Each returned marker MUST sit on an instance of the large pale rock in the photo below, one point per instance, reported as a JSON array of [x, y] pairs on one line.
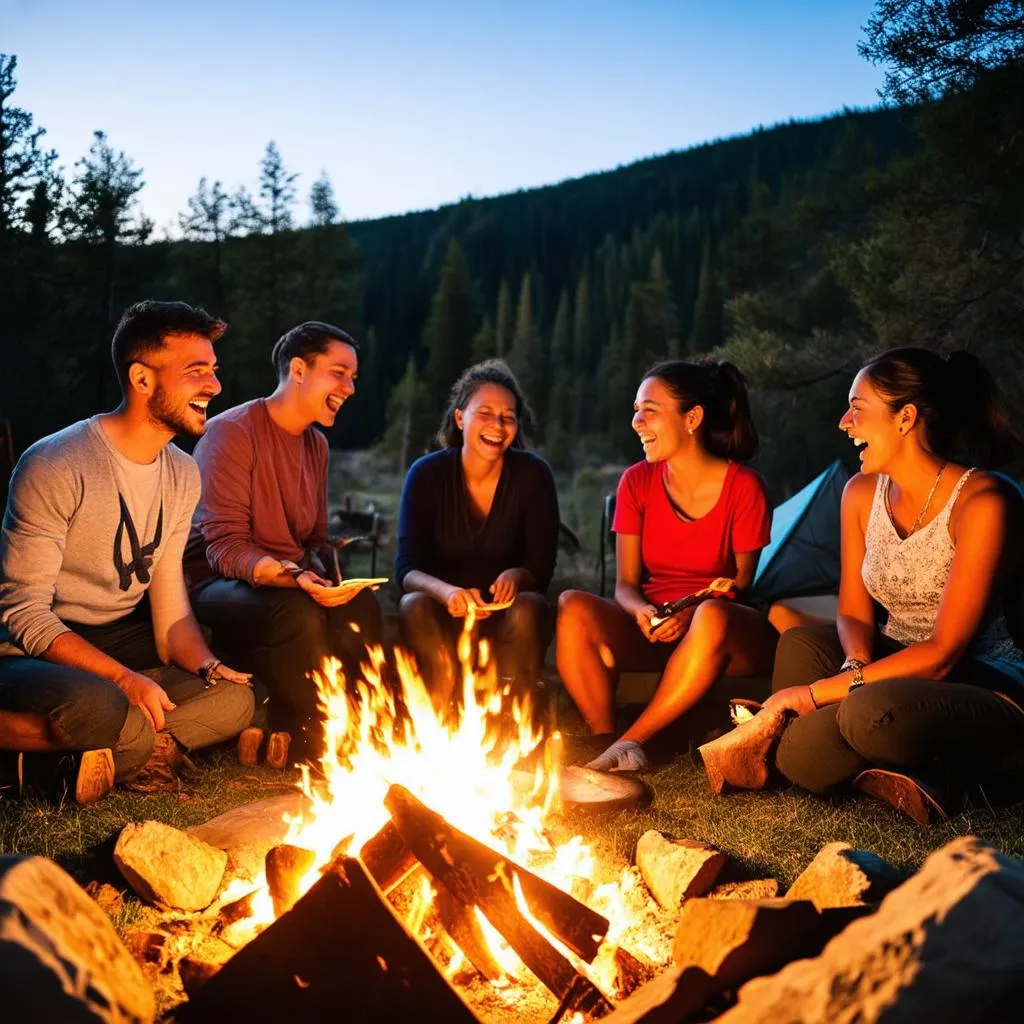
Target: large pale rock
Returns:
[[753, 937], [677, 869], [168, 867], [720, 944], [248, 832], [60, 958], [947, 945], [840, 876]]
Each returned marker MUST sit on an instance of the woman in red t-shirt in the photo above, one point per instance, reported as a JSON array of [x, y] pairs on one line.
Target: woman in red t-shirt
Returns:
[[688, 513]]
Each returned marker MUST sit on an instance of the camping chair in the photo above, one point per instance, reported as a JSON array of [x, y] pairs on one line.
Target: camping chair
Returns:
[[348, 527], [606, 542], [6, 459]]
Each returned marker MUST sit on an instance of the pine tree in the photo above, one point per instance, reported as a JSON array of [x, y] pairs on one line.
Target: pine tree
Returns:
[[504, 321], [409, 419], [322, 206], [525, 357], [485, 342], [451, 325], [585, 355], [20, 157], [209, 220], [707, 314]]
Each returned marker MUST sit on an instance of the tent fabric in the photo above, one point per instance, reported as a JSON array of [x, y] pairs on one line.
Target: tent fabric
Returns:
[[802, 557]]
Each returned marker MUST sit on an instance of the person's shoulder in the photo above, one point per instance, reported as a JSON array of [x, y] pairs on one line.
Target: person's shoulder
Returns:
[[640, 474], [984, 489], [861, 486], [432, 464], [239, 418], [529, 463], [749, 480], [58, 449]]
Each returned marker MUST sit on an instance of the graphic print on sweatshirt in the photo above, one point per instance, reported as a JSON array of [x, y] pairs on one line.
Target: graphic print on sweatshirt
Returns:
[[141, 554]]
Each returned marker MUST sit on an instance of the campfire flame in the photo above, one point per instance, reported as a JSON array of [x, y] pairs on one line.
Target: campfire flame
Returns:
[[463, 765]]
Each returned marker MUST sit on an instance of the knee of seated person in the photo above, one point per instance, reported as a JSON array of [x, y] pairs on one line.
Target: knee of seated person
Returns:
[[93, 719], [529, 612], [417, 609], [575, 609], [295, 615], [863, 715], [710, 623], [233, 710]]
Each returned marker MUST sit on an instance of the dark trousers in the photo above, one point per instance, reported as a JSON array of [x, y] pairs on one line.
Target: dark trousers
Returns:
[[87, 712], [958, 729], [519, 638], [281, 635]]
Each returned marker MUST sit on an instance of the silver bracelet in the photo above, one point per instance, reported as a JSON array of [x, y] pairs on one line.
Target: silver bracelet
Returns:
[[852, 663]]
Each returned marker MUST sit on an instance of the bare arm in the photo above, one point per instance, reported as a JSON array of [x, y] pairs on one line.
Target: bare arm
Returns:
[[746, 568], [628, 567], [979, 542], [855, 619]]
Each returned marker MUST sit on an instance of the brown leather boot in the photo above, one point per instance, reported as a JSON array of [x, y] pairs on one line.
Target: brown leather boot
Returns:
[[277, 749], [912, 796], [161, 771]]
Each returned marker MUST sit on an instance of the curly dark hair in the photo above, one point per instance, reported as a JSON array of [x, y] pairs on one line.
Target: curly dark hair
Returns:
[[491, 371]]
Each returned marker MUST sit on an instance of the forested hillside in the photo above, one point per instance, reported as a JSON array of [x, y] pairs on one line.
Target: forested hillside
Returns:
[[795, 250]]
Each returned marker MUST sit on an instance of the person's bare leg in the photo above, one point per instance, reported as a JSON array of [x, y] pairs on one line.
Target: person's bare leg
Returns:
[[723, 639], [589, 678]]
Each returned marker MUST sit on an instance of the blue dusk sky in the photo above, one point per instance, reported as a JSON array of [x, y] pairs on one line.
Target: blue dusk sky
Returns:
[[411, 105]]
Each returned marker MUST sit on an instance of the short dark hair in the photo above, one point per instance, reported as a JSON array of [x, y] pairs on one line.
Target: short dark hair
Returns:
[[145, 326], [306, 341], [490, 371]]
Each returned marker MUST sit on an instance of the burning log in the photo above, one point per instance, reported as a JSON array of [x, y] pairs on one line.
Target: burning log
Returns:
[[286, 867], [388, 858], [339, 950], [477, 876], [461, 924]]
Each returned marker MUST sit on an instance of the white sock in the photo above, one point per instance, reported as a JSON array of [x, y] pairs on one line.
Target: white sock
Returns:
[[623, 756]]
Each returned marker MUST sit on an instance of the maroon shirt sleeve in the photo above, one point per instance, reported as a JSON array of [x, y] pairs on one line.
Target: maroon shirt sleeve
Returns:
[[224, 516]]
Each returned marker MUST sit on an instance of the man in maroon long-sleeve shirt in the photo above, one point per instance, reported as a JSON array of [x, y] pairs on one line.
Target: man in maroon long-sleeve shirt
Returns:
[[263, 506]]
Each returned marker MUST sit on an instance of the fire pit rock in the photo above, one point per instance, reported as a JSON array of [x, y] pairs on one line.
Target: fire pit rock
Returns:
[[167, 867], [248, 832], [677, 869], [60, 958], [751, 889], [840, 876], [948, 944]]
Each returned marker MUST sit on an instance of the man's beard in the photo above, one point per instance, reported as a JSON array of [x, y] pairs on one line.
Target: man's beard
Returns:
[[175, 418]]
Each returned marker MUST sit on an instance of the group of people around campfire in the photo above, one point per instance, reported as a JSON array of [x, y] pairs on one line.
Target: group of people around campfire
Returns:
[[145, 593]]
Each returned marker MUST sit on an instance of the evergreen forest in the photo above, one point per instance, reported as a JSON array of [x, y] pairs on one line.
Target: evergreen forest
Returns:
[[796, 251]]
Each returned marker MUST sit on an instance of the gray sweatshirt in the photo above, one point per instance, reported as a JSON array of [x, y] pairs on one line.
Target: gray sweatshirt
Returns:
[[87, 532]]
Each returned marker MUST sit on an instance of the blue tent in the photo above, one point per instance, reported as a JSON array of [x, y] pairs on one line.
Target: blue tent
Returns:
[[802, 558]]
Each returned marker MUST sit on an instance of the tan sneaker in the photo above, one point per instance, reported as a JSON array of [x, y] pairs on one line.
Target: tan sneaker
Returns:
[[249, 742], [277, 749], [95, 777]]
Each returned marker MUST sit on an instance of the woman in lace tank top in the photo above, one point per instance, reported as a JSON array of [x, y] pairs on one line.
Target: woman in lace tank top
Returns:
[[934, 697]]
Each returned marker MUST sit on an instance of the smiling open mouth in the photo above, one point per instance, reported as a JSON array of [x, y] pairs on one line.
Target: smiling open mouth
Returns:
[[493, 440], [199, 405], [334, 402], [647, 440]]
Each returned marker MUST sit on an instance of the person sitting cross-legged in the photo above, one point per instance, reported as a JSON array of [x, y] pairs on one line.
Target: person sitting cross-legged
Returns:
[[99, 650], [258, 546], [478, 524], [936, 697]]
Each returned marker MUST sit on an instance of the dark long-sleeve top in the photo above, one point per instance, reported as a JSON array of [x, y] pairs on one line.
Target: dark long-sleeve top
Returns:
[[439, 534]]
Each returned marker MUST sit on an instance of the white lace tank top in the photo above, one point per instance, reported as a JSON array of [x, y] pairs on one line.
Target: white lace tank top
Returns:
[[906, 577]]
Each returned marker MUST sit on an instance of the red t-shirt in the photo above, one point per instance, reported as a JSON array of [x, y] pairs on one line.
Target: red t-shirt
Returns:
[[681, 558]]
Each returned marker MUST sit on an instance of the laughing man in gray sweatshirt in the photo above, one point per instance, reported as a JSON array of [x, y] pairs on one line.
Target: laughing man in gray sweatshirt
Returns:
[[98, 644]]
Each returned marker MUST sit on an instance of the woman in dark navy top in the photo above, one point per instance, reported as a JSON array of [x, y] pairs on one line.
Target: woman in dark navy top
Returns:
[[478, 525]]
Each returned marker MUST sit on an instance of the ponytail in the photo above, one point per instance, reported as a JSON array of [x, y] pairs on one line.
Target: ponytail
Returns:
[[963, 416], [720, 389]]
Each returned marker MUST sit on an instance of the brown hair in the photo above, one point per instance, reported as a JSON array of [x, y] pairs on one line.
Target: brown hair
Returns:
[[491, 371]]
